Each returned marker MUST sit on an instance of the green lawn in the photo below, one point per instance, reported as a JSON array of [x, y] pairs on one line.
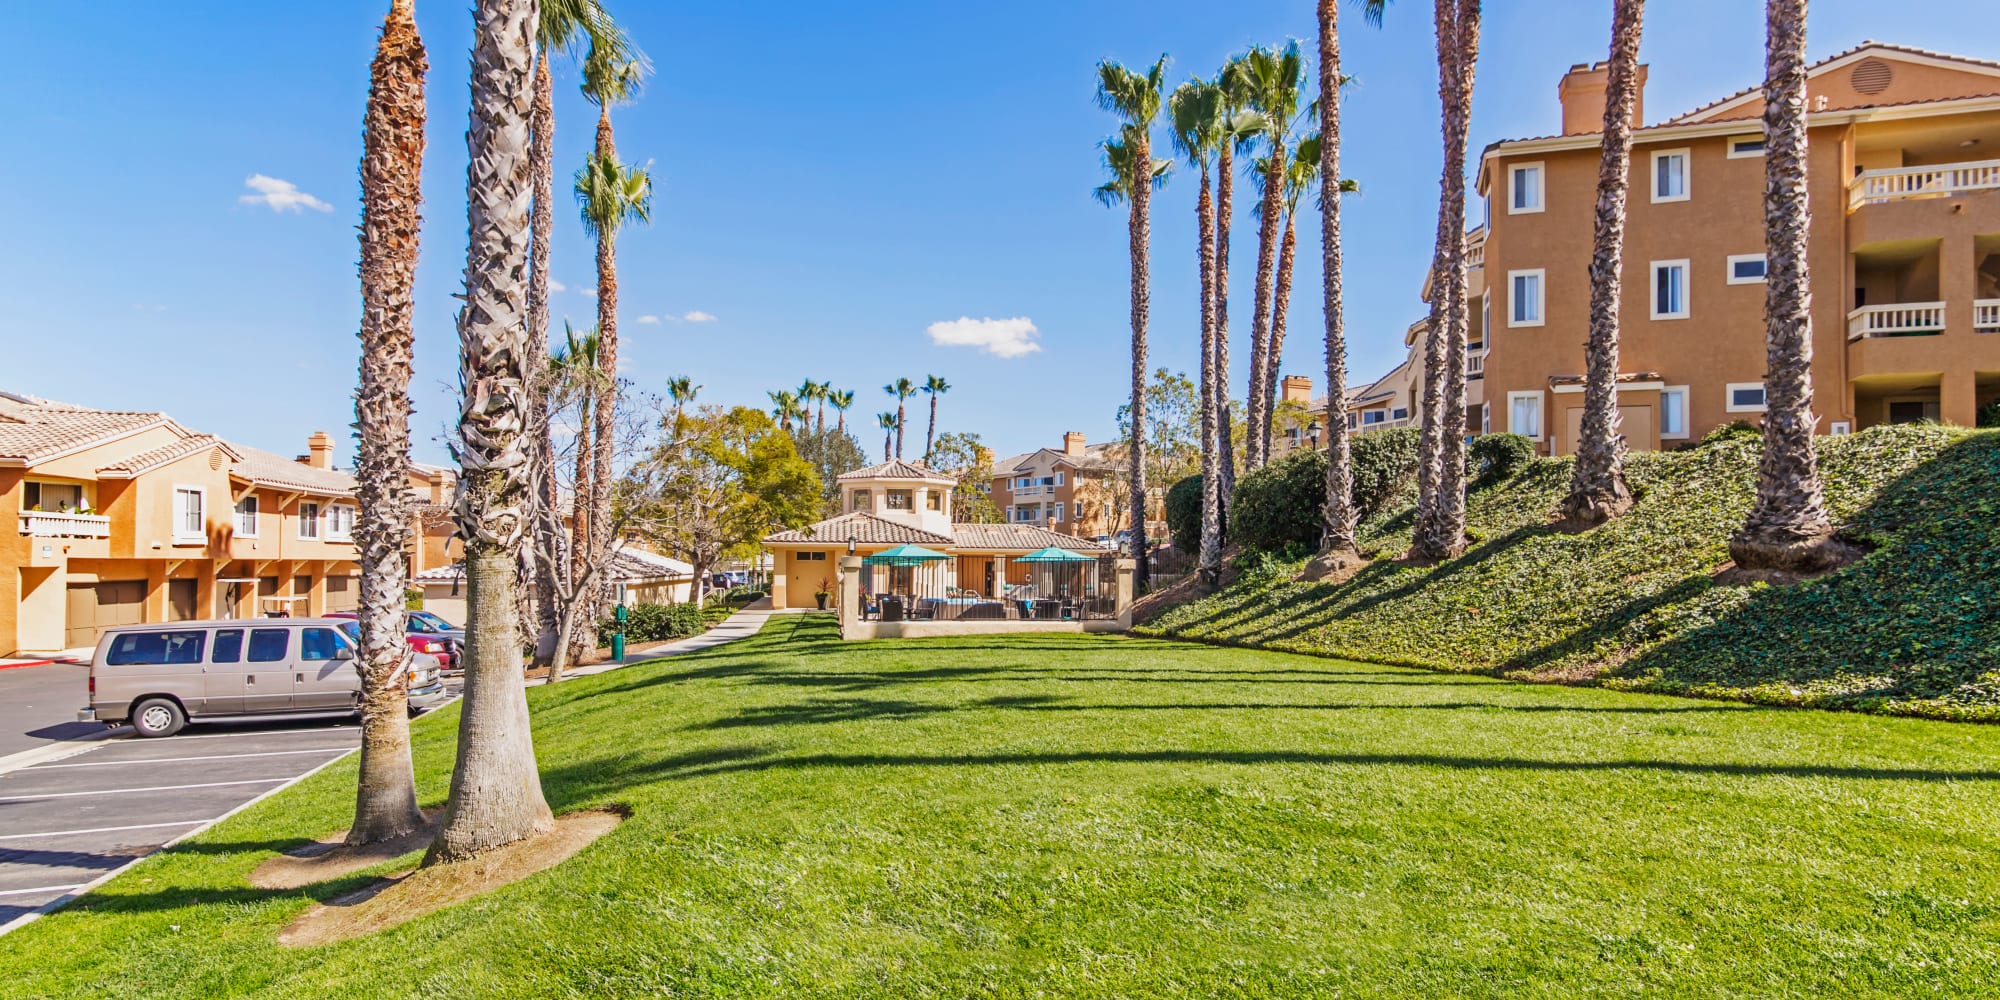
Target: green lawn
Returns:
[[1112, 817]]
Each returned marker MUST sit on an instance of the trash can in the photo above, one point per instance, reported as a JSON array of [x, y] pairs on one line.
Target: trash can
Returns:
[[618, 637]]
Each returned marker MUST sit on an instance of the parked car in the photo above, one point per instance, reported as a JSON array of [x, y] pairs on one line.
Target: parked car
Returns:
[[421, 630], [162, 676]]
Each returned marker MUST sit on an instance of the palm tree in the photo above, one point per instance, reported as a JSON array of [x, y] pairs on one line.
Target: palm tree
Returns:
[[385, 800], [496, 792], [1196, 111], [1135, 98], [815, 393], [1301, 176], [1440, 530], [841, 400], [576, 376], [889, 423], [902, 389], [1597, 489], [681, 389], [1241, 125], [935, 386], [1274, 80], [1788, 528], [786, 408]]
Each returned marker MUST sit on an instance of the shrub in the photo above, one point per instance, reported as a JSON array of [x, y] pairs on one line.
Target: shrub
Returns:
[[656, 623], [413, 599], [1495, 458], [1989, 415], [1184, 513], [1385, 467], [742, 595], [1280, 503], [1735, 430]]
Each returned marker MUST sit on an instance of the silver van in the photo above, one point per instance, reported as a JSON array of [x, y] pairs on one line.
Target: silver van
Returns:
[[163, 675]]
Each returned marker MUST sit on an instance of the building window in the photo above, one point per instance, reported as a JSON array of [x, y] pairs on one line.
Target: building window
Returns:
[[1670, 175], [1745, 397], [861, 501], [246, 517], [1370, 418], [1026, 514], [1674, 411], [1524, 188], [308, 520], [1524, 414], [1749, 145], [1486, 418], [1059, 513], [898, 500], [1059, 479], [1023, 482], [1485, 313], [1524, 298], [1670, 289], [190, 519], [933, 499], [340, 522], [1746, 269], [51, 496]]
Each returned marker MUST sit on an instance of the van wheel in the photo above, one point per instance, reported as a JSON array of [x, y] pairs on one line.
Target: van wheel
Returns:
[[158, 717]]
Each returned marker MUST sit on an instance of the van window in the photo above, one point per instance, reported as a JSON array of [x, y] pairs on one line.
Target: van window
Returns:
[[228, 646], [317, 644], [267, 645], [145, 649]]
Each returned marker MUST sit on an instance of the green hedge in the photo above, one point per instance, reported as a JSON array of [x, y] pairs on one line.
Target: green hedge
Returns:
[[1184, 514], [1495, 458], [1280, 505], [656, 623], [1385, 467]]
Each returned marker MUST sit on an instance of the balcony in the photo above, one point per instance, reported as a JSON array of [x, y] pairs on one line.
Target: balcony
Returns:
[[1874, 187], [1901, 319], [61, 524], [1986, 316], [1024, 492]]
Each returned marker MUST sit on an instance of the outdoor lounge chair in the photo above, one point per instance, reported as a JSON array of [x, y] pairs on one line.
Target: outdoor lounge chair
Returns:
[[892, 609]]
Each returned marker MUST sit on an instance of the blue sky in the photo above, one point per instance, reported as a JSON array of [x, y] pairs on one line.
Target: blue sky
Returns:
[[832, 179]]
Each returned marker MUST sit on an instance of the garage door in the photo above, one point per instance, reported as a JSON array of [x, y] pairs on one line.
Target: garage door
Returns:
[[343, 593], [94, 607], [181, 599]]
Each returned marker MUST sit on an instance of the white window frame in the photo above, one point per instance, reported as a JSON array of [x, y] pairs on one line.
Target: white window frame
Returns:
[[319, 511], [1729, 398], [1541, 412], [1514, 171], [1059, 479], [1687, 174], [256, 515], [1687, 417], [1380, 414], [181, 535], [1735, 154], [334, 532], [1486, 315], [1486, 417], [1059, 512], [1736, 258], [1541, 277], [1653, 288]]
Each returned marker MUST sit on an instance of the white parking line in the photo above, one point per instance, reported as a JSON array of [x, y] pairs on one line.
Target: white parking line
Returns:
[[123, 791], [176, 760], [46, 888], [242, 733], [99, 829]]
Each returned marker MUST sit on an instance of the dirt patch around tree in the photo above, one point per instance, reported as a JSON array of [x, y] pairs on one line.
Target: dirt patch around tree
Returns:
[[401, 898], [331, 858]]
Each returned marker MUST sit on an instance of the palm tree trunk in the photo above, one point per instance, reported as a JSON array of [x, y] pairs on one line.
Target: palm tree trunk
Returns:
[[1225, 436], [541, 166], [1281, 300], [605, 426], [930, 435], [899, 427], [1788, 527], [1142, 200], [1338, 536], [1597, 489], [496, 795], [1211, 496], [1259, 415], [888, 436], [385, 801]]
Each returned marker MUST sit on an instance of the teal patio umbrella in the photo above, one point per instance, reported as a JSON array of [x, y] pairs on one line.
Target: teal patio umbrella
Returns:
[[904, 555], [1053, 554]]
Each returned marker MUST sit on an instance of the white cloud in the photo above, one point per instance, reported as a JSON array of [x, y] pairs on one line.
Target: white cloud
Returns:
[[557, 286], [697, 316], [281, 195], [1004, 338], [589, 291], [650, 319]]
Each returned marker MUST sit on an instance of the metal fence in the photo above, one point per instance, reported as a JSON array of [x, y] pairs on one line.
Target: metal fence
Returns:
[[1051, 591]]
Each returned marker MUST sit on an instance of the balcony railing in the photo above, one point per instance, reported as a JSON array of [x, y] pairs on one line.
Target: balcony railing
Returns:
[[1986, 316], [1475, 364], [1942, 180], [57, 524], [1034, 491], [1902, 319]]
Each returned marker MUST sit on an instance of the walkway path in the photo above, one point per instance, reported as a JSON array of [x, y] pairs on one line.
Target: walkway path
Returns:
[[743, 624]]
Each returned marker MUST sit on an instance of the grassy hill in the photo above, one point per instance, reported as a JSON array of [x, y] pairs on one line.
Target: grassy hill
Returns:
[[1912, 629], [1107, 817]]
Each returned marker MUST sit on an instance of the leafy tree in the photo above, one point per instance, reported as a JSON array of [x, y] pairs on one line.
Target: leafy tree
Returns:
[[963, 456], [830, 452], [1173, 427]]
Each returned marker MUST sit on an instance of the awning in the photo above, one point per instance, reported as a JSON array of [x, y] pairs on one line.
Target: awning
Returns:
[[1054, 555], [904, 555]]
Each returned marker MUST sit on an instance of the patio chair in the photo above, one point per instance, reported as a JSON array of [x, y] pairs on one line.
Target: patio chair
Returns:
[[892, 609]]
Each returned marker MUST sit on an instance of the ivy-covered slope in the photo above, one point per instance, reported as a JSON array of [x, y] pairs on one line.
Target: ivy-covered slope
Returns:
[[1914, 628]]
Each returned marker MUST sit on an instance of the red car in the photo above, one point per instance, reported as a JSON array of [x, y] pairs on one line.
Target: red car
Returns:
[[421, 639]]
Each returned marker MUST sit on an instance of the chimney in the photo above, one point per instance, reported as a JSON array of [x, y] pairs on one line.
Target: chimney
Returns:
[[319, 450], [1296, 389], [1582, 95], [1073, 443]]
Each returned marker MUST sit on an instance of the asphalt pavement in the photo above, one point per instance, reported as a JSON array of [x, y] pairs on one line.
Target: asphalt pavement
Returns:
[[38, 706]]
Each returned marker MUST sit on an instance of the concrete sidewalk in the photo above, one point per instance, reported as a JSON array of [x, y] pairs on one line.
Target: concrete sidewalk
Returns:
[[742, 624]]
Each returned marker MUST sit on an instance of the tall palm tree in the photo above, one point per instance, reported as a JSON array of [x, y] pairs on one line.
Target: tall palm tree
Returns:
[[496, 792], [902, 389], [681, 389], [815, 393], [841, 400], [935, 386], [576, 377], [1788, 527], [1440, 530], [889, 423], [1275, 80], [1597, 489], [385, 801], [1196, 110], [1136, 99], [1241, 125], [1301, 177], [786, 409]]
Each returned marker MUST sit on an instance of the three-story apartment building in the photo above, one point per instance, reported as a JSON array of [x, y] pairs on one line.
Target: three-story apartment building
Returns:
[[1904, 255], [1077, 489]]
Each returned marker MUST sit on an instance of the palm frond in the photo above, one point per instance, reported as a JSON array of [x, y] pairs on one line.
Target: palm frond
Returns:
[[610, 194]]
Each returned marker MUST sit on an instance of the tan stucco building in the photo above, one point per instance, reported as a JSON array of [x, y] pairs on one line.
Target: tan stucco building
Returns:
[[1077, 489]]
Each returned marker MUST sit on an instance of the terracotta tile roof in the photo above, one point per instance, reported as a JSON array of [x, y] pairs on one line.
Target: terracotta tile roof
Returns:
[[147, 460], [895, 468], [33, 430], [865, 528], [1622, 377], [1836, 57], [278, 472], [627, 564], [1017, 538]]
